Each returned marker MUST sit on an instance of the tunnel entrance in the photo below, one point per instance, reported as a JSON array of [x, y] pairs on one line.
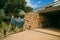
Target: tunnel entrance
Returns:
[[51, 19]]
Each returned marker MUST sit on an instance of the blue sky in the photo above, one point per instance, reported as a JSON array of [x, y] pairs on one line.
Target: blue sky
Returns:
[[37, 3]]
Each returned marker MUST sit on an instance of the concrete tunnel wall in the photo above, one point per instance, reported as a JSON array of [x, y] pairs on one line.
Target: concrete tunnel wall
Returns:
[[51, 19]]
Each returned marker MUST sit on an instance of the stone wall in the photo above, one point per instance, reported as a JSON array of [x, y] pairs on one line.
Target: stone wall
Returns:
[[32, 20]]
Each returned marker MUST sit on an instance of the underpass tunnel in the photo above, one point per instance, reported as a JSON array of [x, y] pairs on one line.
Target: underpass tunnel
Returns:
[[51, 19]]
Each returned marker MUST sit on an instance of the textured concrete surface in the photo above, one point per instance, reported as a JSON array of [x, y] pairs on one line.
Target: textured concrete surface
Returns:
[[32, 35], [53, 32]]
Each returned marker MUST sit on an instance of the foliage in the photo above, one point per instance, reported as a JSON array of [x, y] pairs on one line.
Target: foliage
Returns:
[[13, 6], [3, 25], [1, 14], [2, 3], [6, 19], [28, 9], [21, 14]]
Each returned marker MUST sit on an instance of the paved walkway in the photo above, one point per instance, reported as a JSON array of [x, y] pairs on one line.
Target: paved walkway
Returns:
[[49, 32], [32, 35]]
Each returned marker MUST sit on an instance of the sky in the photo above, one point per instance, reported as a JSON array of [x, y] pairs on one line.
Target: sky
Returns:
[[35, 4]]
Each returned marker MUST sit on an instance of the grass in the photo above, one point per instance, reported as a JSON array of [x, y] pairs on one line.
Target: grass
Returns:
[[15, 29], [1, 32]]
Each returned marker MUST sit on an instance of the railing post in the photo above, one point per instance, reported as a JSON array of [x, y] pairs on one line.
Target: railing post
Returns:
[[10, 25]]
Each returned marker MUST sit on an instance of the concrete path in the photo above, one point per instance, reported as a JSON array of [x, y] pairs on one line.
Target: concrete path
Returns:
[[49, 32], [31, 35]]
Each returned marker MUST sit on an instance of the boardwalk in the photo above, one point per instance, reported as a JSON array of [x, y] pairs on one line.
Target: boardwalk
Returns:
[[32, 35]]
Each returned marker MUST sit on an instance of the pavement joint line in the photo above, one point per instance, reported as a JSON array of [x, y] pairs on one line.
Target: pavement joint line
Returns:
[[46, 33]]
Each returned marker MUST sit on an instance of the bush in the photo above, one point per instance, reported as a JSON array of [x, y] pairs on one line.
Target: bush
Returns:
[[4, 25]]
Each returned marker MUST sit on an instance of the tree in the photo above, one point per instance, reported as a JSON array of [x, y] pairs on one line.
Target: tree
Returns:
[[12, 7], [21, 14], [28, 9], [2, 3], [2, 14]]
